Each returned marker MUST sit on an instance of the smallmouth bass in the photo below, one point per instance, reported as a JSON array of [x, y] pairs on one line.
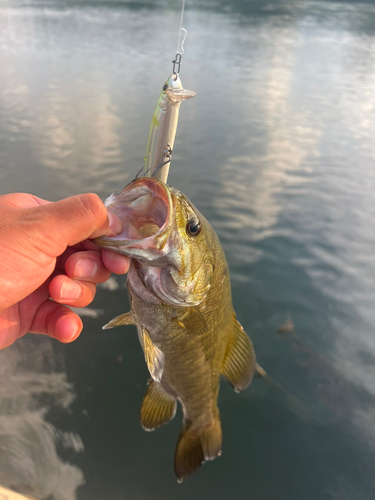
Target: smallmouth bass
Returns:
[[180, 297]]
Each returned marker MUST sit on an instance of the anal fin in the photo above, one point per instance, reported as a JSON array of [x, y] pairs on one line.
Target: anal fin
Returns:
[[158, 407], [123, 319], [240, 360]]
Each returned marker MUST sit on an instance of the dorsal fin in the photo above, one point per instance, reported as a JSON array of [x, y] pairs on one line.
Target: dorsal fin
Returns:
[[123, 319], [158, 407], [240, 361], [154, 357]]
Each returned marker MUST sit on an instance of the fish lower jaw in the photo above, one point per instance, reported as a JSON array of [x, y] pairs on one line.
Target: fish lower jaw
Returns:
[[154, 284]]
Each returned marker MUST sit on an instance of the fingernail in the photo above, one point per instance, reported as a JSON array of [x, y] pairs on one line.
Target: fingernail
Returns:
[[70, 334], [115, 224], [73, 334], [70, 291], [85, 268]]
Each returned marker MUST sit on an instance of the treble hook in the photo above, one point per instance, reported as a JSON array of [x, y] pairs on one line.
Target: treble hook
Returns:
[[167, 156], [139, 173]]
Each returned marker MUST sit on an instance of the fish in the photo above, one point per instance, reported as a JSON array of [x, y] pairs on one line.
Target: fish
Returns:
[[180, 297], [163, 128]]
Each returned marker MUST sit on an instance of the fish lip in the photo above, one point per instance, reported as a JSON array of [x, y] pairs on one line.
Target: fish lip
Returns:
[[157, 187]]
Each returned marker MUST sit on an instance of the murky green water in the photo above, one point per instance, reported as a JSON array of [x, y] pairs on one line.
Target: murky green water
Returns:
[[277, 150]]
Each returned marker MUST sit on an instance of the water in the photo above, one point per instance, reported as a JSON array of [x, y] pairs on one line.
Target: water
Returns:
[[277, 151]]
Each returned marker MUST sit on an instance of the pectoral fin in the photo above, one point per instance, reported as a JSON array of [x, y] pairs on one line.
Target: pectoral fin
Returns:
[[193, 321], [154, 357], [123, 319], [158, 407], [240, 361]]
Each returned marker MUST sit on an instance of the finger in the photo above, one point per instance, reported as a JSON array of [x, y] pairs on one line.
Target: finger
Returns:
[[84, 245], [74, 293], [72, 220], [61, 261], [22, 200], [87, 266], [57, 321], [115, 262]]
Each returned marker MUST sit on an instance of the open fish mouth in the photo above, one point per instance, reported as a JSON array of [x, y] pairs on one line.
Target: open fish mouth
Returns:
[[145, 209]]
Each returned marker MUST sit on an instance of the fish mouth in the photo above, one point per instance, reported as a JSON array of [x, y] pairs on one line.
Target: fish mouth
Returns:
[[145, 209]]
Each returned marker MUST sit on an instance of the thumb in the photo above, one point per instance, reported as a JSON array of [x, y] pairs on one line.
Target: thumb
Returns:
[[77, 218]]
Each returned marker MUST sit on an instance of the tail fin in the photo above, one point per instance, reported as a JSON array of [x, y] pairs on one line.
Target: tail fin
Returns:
[[195, 447]]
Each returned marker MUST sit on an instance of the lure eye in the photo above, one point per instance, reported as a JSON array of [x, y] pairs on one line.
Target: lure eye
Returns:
[[193, 227], [165, 86]]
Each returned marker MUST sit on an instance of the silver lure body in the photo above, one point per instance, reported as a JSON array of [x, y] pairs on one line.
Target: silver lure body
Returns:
[[163, 128]]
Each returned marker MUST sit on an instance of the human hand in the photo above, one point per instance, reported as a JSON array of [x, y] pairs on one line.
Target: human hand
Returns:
[[45, 254]]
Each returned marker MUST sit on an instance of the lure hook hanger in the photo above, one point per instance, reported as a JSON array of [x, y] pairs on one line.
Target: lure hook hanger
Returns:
[[167, 156]]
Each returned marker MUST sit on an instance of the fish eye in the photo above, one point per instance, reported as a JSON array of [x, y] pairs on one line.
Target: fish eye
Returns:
[[193, 227], [165, 86]]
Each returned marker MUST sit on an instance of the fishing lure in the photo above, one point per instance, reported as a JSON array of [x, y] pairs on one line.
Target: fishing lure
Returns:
[[164, 121]]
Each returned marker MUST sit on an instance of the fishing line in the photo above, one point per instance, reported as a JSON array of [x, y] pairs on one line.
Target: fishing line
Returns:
[[180, 45]]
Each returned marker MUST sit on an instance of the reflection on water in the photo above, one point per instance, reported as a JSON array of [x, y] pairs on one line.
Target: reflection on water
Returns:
[[289, 139], [29, 444], [277, 151]]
